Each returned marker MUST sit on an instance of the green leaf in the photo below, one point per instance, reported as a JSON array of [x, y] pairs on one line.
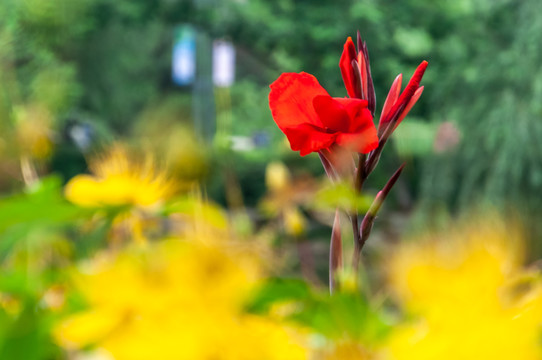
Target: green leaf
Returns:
[[27, 335], [341, 195], [343, 314], [333, 316], [278, 290], [41, 205]]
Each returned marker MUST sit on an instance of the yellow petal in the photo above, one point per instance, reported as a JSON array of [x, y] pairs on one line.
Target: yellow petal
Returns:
[[81, 190], [86, 328]]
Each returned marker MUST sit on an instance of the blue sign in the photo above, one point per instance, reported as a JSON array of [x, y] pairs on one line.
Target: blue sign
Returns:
[[183, 64]]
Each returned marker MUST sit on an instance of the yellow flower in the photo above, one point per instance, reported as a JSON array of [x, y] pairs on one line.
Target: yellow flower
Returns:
[[277, 176], [10, 305], [118, 180], [175, 300], [33, 131], [294, 221], [469, 298]]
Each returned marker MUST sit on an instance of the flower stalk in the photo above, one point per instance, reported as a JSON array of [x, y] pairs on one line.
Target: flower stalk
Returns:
[[335, 252], [368, 220]]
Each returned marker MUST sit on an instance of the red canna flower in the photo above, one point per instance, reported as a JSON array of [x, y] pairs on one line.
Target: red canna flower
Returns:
[[397, 104], [312, 120]]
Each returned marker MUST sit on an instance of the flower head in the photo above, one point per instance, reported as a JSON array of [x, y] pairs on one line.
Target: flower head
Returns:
[[118, 180], [175, 300], [468, 297], [312, 120]]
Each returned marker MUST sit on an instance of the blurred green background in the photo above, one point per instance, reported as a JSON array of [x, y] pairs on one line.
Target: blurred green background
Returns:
[[471, 141]]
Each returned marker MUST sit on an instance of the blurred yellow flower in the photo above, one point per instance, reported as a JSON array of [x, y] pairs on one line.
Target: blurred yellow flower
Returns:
[[286, 196], [119, 180], [34, 131], [175, 300], [469, 298], [284, 191], [10, 305], [277, 176], [295, 223]]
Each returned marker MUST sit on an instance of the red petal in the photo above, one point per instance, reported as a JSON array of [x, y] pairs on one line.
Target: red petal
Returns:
[[362, 136], [348, 103], [392, 97], [363, 72], [407, 94], [409, 106], [363, 120], [307, 138], [413, 84], [291, 99], [347, 72], [362, 142], [332, 113], [359, 115]]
